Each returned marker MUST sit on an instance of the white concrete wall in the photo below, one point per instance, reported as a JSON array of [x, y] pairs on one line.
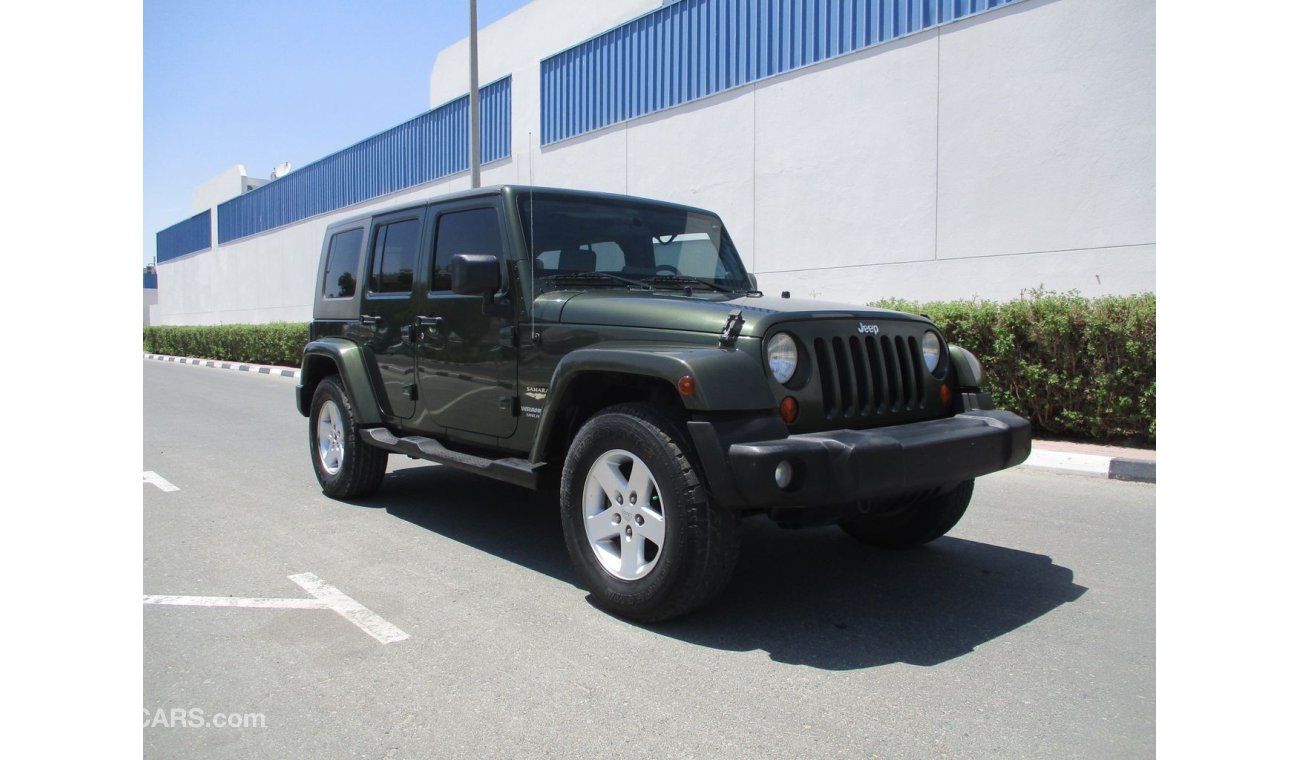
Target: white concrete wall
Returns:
[[516, 45], [1012, 150], [150, 304], [267, 277], [1008, 151]]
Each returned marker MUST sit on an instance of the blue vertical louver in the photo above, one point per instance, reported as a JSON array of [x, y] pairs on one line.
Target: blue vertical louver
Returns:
[[696, 48], [193, 234], [428, 147]]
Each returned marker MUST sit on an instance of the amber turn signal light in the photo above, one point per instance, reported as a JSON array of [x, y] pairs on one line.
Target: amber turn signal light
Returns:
[[944, 395], [789, 410], [686, 385]]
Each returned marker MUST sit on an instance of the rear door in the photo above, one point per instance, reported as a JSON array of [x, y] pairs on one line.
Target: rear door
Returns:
[[467, 359], [389, 306]]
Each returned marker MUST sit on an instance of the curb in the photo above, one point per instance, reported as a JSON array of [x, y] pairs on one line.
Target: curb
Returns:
[[260, 369], [1111, 468]]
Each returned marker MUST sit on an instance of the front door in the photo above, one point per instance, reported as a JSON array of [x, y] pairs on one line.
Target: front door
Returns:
[[388, 307], [467, 359]]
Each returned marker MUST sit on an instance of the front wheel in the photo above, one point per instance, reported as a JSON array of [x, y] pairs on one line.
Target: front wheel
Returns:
[[919, 523], [638, 523], [346, 467]]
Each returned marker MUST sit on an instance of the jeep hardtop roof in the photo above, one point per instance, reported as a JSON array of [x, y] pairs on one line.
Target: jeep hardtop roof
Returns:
[[512, 190]]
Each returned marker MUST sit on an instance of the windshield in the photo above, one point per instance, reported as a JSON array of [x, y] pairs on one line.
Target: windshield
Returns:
[[632, 240]]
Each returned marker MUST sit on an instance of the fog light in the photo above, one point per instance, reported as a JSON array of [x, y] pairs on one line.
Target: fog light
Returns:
[[784, 474]]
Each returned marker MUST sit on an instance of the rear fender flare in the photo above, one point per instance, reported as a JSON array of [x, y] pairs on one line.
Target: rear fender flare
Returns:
[[349, 362]]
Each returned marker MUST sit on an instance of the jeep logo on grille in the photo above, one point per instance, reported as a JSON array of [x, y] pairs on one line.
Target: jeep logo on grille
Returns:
[[866, 329]]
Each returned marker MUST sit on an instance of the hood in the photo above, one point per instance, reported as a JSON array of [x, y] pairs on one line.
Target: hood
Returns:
[[702, 312]]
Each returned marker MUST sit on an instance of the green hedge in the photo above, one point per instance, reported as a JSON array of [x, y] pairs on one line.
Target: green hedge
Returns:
[[1074, 366], [276, 343]]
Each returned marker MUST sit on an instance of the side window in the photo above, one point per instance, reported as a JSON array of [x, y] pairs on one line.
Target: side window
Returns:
[[392, 266], [341, 264], [473, 231]]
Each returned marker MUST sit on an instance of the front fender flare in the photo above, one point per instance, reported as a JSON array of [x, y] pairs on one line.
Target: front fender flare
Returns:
[[725, 379], [970, 375]]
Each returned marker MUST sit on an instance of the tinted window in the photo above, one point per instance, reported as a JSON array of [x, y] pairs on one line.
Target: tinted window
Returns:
[[473, 231], [341, 264], [392, 268]]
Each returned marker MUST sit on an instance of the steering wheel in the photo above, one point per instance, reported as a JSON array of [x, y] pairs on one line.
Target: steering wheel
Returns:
[[671, 269]]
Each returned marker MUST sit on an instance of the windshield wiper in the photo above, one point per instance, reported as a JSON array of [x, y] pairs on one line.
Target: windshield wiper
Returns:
[[589, 276], [686, 279]]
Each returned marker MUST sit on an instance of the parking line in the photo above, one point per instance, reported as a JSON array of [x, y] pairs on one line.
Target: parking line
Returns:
[[163, 484], [327, 597], [236, 601], [382, 630]]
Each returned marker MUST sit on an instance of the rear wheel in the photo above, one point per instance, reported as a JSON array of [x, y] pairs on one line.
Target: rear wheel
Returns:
[[638, 523], [916, 524], [346, 467]]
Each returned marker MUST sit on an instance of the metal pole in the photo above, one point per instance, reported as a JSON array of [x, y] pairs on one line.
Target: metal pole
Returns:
[[473, 94]]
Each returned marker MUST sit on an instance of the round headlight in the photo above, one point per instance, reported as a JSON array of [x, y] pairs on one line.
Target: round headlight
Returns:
[[782, 357], [931, 349]]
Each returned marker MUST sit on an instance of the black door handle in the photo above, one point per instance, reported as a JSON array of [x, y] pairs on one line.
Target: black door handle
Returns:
[[371, 319]]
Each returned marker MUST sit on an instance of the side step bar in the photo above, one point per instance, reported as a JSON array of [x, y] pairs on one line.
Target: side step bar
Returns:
[[520, 472]]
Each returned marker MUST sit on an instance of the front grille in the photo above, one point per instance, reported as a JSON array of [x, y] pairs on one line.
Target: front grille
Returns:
[[864, 375]]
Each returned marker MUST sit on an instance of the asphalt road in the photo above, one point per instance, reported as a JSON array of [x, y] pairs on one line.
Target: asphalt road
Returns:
[[1028, 632]]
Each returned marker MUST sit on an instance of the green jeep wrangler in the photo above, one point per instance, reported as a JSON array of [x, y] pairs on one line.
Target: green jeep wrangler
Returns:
[[615, 347]]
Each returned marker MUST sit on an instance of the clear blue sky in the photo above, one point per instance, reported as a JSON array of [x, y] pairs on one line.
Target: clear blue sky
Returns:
[[259, 82]]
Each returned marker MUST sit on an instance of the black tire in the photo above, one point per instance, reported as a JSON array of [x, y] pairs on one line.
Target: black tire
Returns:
[[918, 524], [700, 542], [354, 469]]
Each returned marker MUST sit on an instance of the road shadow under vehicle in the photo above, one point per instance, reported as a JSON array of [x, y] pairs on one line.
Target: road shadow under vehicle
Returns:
[[810, 597]]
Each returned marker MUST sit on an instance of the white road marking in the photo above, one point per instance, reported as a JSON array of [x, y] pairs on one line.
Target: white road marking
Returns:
[[163, 485], [327, 597], [236, 601], [382, 630]]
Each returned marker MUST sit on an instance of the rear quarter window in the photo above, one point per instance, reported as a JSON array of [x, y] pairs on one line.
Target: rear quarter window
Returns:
[[341, 264]]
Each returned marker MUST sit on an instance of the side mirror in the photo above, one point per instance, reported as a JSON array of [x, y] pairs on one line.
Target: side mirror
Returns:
[[475, 274]]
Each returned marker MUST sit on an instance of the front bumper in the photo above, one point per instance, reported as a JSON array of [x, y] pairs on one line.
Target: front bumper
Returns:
[[854, 465]]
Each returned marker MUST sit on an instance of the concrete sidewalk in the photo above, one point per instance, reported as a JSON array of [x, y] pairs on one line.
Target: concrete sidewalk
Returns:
[[1112, 462]]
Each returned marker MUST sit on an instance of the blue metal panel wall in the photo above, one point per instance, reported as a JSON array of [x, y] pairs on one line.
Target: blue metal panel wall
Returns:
[[193, 234], [428, 147], [696, 48]]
